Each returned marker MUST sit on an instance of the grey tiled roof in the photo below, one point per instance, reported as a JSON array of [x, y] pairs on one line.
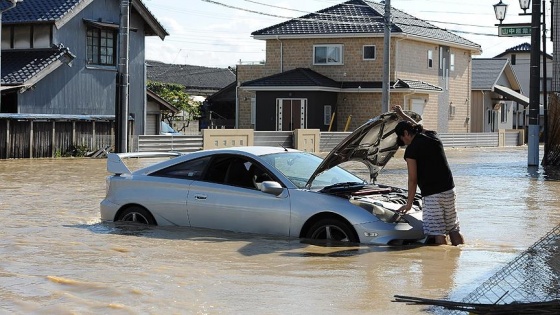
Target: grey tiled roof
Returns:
[[486, 71], [521, 48], [294, 77], [38, 11], [21, 65], [44, 11], [526, 47], [361, 17], [305, 77], [192, 77], [420, 85]]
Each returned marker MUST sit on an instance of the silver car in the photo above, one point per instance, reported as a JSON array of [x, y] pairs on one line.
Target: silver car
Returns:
[[271, 190]]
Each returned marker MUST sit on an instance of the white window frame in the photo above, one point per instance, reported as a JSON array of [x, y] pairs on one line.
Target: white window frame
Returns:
[[430, 58], [364, 52], [327, 113], [253, 111], [452, 62], [504, 113], [331, 48]]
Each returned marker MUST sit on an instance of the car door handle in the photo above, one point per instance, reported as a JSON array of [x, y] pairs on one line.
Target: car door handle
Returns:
[[200, 197]]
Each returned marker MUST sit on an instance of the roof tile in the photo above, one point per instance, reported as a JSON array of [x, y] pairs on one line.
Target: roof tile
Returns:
[[18, 66], [361, 17], [38, 11]]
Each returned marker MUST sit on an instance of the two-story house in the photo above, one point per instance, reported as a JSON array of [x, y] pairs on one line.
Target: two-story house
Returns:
[[61, 57], [324, 71], [520, 59], [496, 99]]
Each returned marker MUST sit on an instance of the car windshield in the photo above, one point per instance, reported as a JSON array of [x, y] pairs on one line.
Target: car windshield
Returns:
[[299, 166]]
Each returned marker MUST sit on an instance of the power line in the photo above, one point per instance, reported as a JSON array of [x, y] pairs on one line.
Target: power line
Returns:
[[350, 17]]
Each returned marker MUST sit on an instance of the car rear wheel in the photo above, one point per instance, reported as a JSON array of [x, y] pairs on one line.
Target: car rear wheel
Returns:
[[138, 215], [332, 230]]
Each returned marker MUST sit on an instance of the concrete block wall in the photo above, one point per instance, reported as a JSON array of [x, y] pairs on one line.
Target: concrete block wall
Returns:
[[224, 138]]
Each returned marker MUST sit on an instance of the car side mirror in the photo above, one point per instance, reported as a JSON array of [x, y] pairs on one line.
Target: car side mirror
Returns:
[[271, 187]]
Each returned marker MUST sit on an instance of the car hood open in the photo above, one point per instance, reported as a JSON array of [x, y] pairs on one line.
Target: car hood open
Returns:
[[374, 144]]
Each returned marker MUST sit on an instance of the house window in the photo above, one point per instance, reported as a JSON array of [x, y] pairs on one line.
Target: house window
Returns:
[[430, 59], [369, 52], [513, 59], [327, 54], [26, 36], [452, 62], [503, 113], [327, 112], [101, 46], [22, 37]]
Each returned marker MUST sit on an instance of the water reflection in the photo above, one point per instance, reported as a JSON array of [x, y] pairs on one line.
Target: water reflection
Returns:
[[58, 258]]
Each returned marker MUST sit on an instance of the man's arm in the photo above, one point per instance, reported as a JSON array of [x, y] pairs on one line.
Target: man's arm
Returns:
[[412, 184], [402, 115]]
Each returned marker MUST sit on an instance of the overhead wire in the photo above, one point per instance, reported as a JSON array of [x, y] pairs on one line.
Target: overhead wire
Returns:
[[358, 20]]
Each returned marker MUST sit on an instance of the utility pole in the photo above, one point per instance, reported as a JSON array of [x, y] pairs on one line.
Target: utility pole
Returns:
[[544, 87], [534, 85], [385, 97], [121, 109]]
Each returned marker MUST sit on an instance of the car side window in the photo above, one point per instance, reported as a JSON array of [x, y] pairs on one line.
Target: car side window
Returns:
[[236, 171], [192, 169]]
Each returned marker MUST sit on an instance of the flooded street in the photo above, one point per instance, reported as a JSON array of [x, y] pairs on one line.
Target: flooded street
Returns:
[[57, 258]]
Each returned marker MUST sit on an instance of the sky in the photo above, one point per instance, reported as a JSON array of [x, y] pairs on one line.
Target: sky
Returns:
[[217, 33]]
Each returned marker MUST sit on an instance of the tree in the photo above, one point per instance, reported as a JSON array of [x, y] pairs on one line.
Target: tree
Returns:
[[174, 94]]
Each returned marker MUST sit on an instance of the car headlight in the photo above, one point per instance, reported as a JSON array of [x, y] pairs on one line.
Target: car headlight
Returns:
[[385, 215]]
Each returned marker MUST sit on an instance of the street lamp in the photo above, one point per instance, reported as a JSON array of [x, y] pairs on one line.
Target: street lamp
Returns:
[[500, 9], [524, 5], [534, 79]]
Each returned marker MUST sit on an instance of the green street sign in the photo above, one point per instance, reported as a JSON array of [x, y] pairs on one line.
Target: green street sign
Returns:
[[520, 30]]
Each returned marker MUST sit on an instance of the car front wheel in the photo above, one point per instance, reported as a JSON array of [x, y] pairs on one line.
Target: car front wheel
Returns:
[[332, 230], [136, 214]]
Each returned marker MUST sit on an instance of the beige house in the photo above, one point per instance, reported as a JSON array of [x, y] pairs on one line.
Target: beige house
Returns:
[[496, 99], [520, 58], [324, 71]]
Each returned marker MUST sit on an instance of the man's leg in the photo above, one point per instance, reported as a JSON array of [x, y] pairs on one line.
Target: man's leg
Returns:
[[433, 219], [456, 238]]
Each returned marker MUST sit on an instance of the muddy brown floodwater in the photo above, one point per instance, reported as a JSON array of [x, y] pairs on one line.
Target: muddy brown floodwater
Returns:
[[57, 258]]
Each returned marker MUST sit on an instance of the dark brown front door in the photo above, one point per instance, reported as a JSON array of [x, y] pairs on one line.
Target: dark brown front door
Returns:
[[291, 114]]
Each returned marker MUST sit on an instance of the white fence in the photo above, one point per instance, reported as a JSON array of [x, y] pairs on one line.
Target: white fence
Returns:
[[328, 140]]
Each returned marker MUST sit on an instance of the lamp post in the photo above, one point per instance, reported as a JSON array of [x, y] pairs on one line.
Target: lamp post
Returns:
[[13, 4], [500, 10], [534, 79]]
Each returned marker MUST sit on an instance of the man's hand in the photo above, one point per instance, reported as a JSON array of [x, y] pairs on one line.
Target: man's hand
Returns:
[[404, 209]]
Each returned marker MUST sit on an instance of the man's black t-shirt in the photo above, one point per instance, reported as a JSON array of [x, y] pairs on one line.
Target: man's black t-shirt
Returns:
[[434, 174]]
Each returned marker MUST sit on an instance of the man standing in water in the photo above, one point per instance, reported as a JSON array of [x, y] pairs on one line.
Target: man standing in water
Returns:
[[428, 169]]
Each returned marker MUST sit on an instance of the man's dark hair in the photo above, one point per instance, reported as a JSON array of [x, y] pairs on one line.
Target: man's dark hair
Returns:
[[408, 126]]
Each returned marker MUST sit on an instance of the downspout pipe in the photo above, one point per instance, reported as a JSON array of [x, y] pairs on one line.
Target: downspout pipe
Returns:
[[124, 30], [281, 54]]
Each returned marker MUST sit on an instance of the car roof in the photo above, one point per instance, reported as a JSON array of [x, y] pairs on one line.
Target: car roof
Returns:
[[254, 150]]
